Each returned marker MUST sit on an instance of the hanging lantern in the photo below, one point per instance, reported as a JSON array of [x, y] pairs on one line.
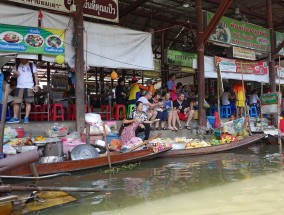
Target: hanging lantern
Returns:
[[60, 59], [113, 75]]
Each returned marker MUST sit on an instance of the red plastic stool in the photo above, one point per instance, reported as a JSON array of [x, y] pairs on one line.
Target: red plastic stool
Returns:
[[35, 113], [44, 114], [71, 112], [105, 112], [56, 112], [118, 112]]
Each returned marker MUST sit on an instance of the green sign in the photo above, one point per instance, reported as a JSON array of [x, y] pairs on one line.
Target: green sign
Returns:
[[238, 33], [180, 58], [279, 38], [269, 99], [23, 39]]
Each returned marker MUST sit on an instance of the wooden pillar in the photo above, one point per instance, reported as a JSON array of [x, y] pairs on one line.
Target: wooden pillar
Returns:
[[101, 80], [200, 64], [48, 76], [165, 72], [79, 66], [272, 45]]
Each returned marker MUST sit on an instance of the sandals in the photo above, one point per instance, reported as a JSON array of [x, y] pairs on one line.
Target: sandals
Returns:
[[164, 129], [180, 128], [187, 127]]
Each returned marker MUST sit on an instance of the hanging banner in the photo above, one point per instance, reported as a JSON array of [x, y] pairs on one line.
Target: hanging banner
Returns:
[[99, 9], [246, 35], [180, 58], [269, 103], [279, 38], [242, 66], [23, 39], [247, 54]]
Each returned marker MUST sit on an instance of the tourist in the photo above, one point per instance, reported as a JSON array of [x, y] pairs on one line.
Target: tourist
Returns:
[[6, 80], [171, 115], [171, 87], [156, 99], [254, 100], [120, 94], [27, 84], [144, 125], [185, 113], [150, 86], [148, 107]]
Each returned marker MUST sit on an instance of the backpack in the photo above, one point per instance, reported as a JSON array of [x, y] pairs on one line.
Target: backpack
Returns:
[[32, 70]]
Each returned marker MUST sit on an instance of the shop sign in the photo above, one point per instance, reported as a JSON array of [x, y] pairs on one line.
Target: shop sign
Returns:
[[157, 65], [243, 53], [187, 70], [242, 66], [280, 72], [23, 39], [269, 103], [238, 33], [180, 58], [279, 38], [99, 9], [151, 74]]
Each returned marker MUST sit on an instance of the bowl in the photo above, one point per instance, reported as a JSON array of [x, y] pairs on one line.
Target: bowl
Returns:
[[25, 148], [51, 159], [178, 146]]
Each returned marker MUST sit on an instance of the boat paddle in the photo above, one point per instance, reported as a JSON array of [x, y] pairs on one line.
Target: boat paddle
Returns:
[[142, 144]]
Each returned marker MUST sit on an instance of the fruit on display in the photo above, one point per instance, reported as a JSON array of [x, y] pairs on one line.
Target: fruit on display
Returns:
[[40, 138]]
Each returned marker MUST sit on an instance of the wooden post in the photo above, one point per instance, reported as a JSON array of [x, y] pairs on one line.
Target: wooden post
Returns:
[[279, 108], [3, 115], [48, 76], [79, 66], [200, 63], [107, 147]]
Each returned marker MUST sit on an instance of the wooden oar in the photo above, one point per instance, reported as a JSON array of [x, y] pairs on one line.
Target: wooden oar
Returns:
[[142, 144], [107, 148]]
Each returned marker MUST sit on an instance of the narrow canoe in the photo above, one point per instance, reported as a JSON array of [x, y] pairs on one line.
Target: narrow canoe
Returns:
[[214, 149], [77, 165]]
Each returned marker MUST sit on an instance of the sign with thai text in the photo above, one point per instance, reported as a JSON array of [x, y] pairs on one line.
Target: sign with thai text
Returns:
[[238, 33], [269, 103], [180, 58], [239, 52], [242, 66], [279, 38], [99, 9], [23, 39]]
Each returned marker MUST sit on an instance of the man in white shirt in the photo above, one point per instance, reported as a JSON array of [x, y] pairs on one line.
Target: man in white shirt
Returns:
[[146, 105], [27, 84], [254, 100]]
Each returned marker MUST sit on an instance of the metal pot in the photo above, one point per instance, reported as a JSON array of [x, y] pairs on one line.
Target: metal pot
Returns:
[[53, 149], [51, 159]]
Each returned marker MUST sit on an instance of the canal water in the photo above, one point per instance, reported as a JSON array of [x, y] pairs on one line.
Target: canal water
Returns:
[[247, 181]]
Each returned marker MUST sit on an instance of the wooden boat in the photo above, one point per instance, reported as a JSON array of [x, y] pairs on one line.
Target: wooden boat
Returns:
[[214, 149], [76, 165]]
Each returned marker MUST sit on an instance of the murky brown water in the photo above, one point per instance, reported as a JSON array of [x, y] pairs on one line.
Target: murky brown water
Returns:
[[240, 182]]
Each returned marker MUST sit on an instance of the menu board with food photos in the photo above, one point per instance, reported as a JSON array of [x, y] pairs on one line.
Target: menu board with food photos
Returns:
[[22, 39]]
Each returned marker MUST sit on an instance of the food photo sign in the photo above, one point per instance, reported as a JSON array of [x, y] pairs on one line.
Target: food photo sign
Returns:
[[33, 40]]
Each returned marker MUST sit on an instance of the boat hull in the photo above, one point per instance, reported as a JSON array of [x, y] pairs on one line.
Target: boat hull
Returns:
[[214, 149], [77, 165]]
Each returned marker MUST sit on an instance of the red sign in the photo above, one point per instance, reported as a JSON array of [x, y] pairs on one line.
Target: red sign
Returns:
[[242, 66]]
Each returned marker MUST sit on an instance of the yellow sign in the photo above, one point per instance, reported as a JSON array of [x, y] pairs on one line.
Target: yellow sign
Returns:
[[151, 74], [187, 70], [243, 53]]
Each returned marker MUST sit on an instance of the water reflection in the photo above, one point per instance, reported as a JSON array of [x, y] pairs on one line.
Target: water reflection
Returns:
[[169, 178]]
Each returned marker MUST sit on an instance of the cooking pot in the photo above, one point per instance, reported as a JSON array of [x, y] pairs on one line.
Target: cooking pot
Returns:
[[53, 148]]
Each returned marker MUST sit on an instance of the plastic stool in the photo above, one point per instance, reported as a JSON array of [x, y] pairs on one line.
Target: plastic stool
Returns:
[[56, 112], [253, 111], [225, 111], [44, 114], [71, 112], [35, 113], [118, 112], [8, 112], [130, 108], [105, 112]]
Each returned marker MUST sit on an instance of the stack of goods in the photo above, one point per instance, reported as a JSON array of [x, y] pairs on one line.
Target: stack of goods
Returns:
[[227, 138], [57, 130]]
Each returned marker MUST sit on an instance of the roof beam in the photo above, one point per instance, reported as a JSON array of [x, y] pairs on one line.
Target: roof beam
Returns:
[[215, 19], [131, 7]]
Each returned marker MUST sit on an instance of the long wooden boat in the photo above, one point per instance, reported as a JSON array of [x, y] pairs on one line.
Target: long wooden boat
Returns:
[[76, 165], [214, 149]]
